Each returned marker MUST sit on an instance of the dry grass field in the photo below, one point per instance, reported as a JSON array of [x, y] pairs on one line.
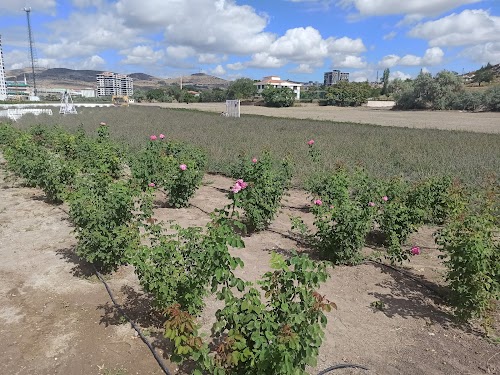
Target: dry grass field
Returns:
[[484, 122]]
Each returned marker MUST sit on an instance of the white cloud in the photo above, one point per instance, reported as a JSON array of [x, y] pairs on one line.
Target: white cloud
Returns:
[[142, 55], [346, 45], [389, 61], [236, 66], [87, 34], [390, 35], [263, 60], [209, 26], [412, 8], [211, 58], [180, 52], [350, 61], [16, 6], [466, 28], [399, 74], [362, 76], [88, 3], [218, 71], [432, 56], [93, 63], [483, 53], [302, 69]]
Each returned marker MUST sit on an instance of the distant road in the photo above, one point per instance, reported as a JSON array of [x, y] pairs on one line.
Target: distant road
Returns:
[[483, 122]]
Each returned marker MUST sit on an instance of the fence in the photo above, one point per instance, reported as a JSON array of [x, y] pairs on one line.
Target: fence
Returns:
[[17, 113]]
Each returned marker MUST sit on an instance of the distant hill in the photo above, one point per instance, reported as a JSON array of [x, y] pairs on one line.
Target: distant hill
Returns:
[[494, 68], [69, 78]]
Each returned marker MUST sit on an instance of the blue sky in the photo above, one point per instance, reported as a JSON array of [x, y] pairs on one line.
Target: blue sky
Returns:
[[294, 39]]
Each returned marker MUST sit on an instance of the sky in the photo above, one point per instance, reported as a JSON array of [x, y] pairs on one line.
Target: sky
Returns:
[[294, 39]]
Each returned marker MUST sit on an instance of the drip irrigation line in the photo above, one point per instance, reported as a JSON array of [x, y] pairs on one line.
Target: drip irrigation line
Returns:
[[340, 366], [436, 292], [137, 329]]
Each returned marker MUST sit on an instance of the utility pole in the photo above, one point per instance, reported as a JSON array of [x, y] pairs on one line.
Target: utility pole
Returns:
[[3, 84], [32, 49]]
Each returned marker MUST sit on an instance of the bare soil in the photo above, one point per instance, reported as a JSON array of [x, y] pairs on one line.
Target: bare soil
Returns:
[[56, 317], [482, 122]]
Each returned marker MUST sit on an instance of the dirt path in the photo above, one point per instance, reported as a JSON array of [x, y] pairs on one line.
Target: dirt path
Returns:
[[485, 122], [55, 319]]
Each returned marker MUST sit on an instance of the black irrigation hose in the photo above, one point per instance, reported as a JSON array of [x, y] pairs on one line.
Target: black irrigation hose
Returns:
[[340, 366], [433, 290], [143, 338]]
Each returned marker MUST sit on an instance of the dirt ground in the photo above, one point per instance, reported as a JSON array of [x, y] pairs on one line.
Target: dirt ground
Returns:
[[483, 122], [56, 318]]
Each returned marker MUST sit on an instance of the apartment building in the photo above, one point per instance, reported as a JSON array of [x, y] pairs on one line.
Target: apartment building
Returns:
[[109, 84], [335, 76], [275, 81]]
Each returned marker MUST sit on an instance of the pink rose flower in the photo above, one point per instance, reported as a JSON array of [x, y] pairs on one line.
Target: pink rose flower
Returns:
[[310, 142], [254, 160], [183, 167], [151, 184], [415, 250], [385, 198], [153, 137], [162, 136], [236, 188], [371, 204], [318, 202]]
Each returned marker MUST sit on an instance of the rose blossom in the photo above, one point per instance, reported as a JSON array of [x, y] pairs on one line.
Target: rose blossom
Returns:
[[153, 137], [310, 142], [318, 202], [151, 184], [415, 250], [183, 167], [385, 198], [162, 136]]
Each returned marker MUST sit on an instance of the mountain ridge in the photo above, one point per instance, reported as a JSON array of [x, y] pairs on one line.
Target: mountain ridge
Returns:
[[72, 78]]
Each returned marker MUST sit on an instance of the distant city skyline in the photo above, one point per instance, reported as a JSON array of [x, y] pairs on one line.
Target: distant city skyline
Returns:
[[298, 40]]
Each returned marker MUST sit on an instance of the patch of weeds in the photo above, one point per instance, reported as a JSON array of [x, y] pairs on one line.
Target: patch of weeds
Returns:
[[378, 305]]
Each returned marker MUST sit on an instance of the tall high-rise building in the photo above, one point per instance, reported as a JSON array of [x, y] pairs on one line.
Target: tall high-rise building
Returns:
[[335, 76], [3, 84], [109, 84]]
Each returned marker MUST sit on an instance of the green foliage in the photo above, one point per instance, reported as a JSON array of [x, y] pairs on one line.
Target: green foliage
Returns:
[[105, 215], [8, 134], [179, 268], [385, 80], [213, 95], [484, 74], [278, 96], [242, 88], [281, 334], [267, 182], [344, 213], [492, 98], [472, 255], [158, 95], [160, 163], [348, 94], [428, 92]]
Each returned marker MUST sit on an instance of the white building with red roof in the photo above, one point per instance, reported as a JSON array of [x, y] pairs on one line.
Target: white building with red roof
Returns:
[[275, 81]]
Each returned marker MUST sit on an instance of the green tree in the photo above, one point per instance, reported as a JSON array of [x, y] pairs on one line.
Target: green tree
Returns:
[[242, 88], [278, 96], [483, 75], [348, 93], [385, 80]]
